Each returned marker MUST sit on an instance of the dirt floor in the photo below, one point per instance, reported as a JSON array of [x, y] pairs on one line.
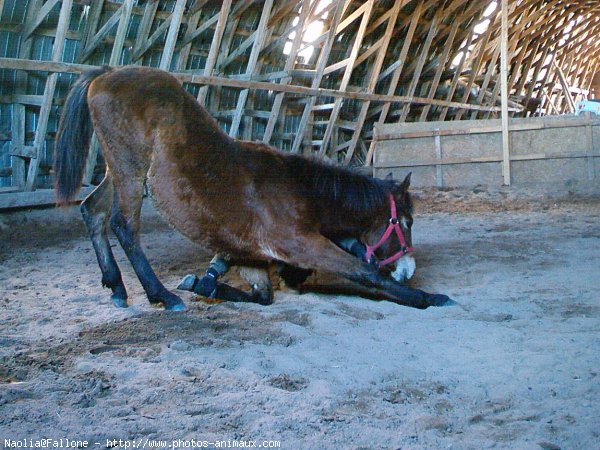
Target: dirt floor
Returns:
[[515, 365]]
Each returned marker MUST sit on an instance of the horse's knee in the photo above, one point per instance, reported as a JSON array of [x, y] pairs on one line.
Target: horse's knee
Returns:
[[120, 225], [94, 221]]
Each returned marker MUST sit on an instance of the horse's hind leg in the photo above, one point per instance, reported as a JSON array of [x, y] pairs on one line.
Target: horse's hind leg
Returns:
[[125, 223], [96, 212]]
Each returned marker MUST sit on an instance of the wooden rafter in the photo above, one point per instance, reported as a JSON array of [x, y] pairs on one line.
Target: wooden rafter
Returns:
[[258, 42]]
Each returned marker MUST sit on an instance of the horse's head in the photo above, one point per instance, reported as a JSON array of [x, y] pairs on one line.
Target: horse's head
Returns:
[[389, 241]]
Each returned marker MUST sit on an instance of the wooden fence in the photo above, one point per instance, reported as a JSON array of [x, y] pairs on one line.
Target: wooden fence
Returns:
[[564, 150]]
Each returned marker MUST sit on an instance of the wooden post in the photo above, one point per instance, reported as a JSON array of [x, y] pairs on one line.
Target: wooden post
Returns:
[[18, 137], [337, 105], [115, 59], [211, 60], [18, 141], [289, 65], [565, 87], [340, 7], [374, 76], [589, 138], [439, 174], [144, 29], [176, 17], [40, 134], [259, 41], [504, 93], [420, 63], [414, 21]]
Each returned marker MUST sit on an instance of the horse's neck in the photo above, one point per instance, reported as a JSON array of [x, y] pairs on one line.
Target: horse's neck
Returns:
[[340, 221]]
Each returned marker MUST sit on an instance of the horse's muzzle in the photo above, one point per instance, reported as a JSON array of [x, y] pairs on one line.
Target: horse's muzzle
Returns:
[[405, 268]]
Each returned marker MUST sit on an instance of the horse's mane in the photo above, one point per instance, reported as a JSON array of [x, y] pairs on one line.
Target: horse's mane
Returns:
[[339, 187]]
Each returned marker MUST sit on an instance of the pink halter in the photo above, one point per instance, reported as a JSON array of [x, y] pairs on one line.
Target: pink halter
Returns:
[[393, 225]]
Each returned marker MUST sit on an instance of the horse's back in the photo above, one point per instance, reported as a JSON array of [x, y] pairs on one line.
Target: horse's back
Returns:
[[138, 111]]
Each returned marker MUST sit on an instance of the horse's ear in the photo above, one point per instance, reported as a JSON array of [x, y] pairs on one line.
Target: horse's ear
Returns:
[[406, 183], [401, 192], [389, 177]]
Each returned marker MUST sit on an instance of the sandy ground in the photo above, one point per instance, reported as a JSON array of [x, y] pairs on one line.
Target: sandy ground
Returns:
[[515, 365]]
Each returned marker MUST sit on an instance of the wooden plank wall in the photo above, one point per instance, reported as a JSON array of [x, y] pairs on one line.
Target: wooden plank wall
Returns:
[[551, 150], [367, 62]]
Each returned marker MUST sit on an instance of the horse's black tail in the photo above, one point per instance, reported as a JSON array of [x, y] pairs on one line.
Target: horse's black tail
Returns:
[[73, 138]]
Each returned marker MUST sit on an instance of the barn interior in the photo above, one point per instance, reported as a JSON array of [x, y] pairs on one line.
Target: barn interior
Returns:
[[317, 77], [491, 105]]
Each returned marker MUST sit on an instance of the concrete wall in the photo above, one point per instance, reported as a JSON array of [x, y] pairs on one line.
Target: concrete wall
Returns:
[[546, 152]]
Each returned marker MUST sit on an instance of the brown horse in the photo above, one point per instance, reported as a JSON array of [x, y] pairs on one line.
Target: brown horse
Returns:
[[242, 199]]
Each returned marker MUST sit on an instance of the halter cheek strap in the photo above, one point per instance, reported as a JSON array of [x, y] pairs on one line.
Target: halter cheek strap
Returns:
[[394, 225]]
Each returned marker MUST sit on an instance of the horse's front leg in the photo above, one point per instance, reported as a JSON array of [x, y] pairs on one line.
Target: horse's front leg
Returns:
[[314, 251]]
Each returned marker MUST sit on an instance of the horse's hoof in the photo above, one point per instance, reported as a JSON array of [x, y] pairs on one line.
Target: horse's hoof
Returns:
[[441, 300], [170, 301], [262, 300], [119, 302], [176, 307], [188, 282]]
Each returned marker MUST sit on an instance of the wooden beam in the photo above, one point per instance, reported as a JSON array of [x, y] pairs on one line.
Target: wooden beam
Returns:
[[117, 50], [192, 33], [421, 62], [18, 139], [442, 61], [289, 65], [228, 35], [476, 64], [565, 86], [144, 28], [392, 16], [211, 60], [169, 47], [31, 26], [40, 134], [366, 14], [19, 176], [185, 47], [504, 93], [414, 21], [340, 7], [158, 33], [100, 35], [190, 77], [41, 197], [91, 26], [261, 34]]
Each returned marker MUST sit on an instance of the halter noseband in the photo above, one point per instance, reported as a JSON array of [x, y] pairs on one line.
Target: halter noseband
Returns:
[[394, 225]]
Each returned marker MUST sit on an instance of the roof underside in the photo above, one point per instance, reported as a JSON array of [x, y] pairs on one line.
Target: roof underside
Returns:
[[306, 76]]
